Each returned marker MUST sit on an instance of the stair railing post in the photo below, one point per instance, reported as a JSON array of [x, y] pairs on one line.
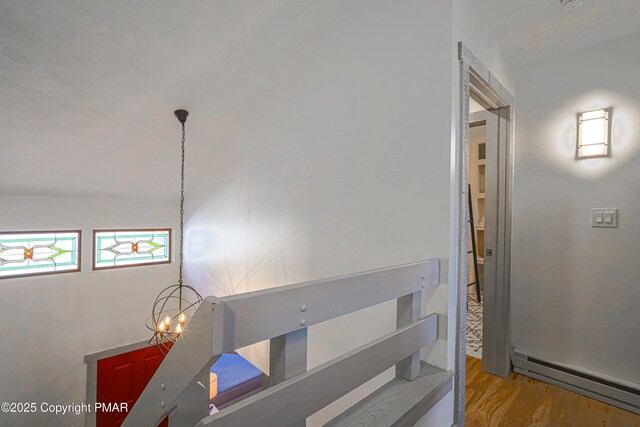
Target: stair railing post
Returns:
[[288, 358], [409, 310]]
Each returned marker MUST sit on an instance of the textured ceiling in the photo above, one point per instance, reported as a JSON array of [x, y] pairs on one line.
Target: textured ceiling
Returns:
[[87, 87], [531, 29]]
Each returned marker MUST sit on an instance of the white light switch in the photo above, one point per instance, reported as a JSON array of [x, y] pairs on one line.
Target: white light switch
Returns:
[[604, 217]]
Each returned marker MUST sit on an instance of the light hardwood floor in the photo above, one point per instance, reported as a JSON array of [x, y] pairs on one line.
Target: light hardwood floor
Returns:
[[520, 401]]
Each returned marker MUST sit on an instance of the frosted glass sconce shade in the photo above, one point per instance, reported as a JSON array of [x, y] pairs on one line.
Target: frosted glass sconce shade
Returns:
[[593, 134]]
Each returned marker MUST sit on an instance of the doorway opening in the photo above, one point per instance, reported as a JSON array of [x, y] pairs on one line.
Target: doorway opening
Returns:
[[488, 187], [483, 175], [485, 210], [477, 173]]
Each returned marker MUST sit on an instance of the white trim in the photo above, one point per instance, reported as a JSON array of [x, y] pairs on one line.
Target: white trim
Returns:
[[103, 354]]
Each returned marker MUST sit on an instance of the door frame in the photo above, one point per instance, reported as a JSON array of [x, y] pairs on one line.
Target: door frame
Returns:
[[476, 80]]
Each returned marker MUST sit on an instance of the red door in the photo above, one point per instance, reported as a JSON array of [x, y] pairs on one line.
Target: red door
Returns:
[[122, 378]]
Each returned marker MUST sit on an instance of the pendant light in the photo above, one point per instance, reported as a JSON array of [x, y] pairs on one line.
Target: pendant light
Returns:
[[176, 303]]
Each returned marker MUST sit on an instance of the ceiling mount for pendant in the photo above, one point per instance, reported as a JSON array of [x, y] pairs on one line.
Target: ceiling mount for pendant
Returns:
[[571, 4], [181, 115]]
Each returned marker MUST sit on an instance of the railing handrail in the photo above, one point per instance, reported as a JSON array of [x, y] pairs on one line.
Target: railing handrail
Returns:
[[261, 315]]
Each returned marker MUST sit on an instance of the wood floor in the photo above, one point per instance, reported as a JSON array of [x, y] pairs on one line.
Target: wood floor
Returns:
[[520, 401]]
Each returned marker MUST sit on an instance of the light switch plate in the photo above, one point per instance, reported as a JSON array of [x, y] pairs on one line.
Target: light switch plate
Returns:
[[604, 217]]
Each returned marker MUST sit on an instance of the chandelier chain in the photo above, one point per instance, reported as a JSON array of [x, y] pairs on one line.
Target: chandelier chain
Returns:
[[167, 323], [180, 274]]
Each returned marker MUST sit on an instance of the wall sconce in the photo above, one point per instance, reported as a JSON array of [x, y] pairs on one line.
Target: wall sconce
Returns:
[[594, 131]]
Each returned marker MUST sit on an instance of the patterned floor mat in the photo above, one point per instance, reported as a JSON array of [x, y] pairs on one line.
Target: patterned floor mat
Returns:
[[474, 325]]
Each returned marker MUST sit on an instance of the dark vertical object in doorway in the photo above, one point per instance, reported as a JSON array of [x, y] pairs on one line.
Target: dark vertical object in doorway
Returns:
[[474, 250]]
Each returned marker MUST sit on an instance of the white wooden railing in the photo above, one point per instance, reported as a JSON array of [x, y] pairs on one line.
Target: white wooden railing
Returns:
[[282, 315]]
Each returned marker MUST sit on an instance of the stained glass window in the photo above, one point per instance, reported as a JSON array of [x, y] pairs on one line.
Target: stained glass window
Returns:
[[27, 253], [129, 248]]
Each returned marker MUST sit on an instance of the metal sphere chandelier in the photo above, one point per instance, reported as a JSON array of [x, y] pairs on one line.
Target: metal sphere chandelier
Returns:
[[175, 304]]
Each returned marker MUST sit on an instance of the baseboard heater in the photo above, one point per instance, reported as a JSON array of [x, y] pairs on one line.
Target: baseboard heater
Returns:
[[606, 389]]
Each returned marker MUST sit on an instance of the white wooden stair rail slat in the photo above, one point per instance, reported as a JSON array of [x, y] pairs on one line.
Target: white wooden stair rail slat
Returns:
[[287, 358], [258, 316], [292, 401], [409, 309]]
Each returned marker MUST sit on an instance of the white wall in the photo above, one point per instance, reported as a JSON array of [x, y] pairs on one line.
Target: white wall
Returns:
[[51, 322], [575, 289], [346, 171], [470, 27]]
